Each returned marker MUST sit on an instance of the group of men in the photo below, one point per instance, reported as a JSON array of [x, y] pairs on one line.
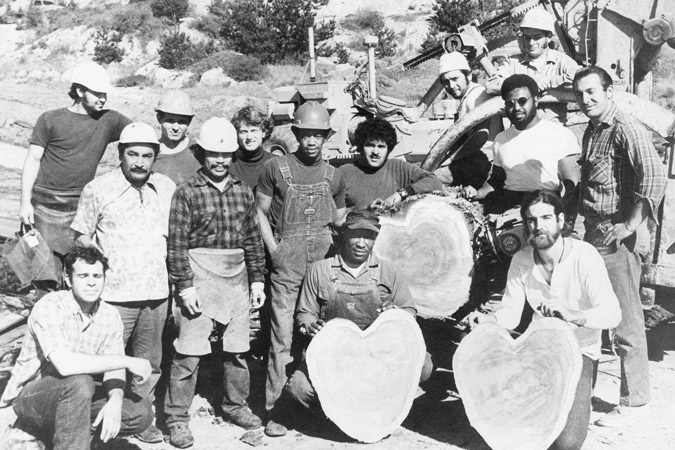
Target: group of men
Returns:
[[209, 221]]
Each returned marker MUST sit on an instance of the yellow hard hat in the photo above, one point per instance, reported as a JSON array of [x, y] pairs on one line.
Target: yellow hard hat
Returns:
[[218, 135], [175, 102], [138, 133], [452, 61], [92, 76], [540, 19]]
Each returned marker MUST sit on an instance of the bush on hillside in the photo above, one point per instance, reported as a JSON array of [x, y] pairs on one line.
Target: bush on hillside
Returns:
[[342, 53], [270, 30], [171, 9], [235, 65], [107, 49], [133, 81], [176, 51], [137, 20], [386, 42], [364, 19]]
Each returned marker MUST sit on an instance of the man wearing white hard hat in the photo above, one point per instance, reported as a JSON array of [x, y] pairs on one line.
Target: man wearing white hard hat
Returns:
[[471, 167], [549, 68], [217, 263], [174, 114], [125, 213], [66, 146]]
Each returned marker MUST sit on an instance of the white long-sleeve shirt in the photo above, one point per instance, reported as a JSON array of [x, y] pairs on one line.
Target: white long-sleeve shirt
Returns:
[[579, 282]]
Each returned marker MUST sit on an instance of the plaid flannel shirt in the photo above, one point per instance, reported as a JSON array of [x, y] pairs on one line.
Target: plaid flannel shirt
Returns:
[[619, 166], [57, 322], [202, 216]]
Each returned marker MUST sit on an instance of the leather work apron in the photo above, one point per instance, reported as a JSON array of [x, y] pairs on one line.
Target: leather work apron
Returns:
[[357, 302], [54, 212], [221, 281]]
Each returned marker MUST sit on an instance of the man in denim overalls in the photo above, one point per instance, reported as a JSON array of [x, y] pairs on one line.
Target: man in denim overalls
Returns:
[[299, 197]]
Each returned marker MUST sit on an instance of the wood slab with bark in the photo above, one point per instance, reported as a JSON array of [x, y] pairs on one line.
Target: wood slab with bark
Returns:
[[518, 393], [430, 239], [367, 380]]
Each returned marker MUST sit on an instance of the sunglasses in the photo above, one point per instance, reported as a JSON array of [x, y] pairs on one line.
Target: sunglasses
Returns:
[[522, 101]]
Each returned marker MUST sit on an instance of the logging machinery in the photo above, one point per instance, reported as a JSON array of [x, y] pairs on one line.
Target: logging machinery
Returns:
[[622, 36]]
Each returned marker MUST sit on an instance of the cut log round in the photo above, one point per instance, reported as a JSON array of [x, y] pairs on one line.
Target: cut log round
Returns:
[[367, 380], [429, 239], [518, 394]]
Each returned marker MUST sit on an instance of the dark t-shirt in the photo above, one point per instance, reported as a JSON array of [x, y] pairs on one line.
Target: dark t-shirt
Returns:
[[177, 166], [247, 166], [272, 184], [74, 145]]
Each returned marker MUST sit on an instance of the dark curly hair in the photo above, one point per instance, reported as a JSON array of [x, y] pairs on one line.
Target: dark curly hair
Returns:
[[252, 116], [377, 129], [520, 81], [90, 255]]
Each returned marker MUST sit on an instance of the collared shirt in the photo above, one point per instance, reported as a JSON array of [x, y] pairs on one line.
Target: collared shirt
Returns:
[[203, 216], [317, 285], [619, 166], [579, 282], [130, 226], [57, 322], [549, 72]]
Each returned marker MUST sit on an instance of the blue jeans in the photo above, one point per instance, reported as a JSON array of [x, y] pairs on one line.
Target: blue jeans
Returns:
[[64, 408], [183, 379], [624, 268], [143, 329]]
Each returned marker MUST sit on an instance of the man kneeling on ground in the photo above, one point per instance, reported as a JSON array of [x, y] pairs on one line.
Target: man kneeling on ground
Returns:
[[69, 378], [564, 278], [360, 287]]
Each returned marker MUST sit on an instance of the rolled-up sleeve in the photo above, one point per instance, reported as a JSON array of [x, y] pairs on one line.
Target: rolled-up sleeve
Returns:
[[308, 310]]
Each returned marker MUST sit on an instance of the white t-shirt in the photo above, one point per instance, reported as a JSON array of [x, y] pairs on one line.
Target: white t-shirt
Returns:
[[579, 281], [530, 157]]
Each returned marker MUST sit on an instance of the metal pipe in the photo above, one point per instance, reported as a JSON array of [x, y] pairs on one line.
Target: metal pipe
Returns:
[[312, 56], [371, 43]]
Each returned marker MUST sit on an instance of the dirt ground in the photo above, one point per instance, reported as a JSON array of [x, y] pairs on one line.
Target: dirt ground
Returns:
[[437, 419]]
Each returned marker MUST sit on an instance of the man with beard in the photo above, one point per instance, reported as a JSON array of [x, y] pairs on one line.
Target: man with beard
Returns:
[[174, 114], [125, 213], [253, 128], [623, 180], [532, 154], [373, 180], [66, 146], [565, 278], [300, 197], [471, 167], [549, 68], [217, 263]]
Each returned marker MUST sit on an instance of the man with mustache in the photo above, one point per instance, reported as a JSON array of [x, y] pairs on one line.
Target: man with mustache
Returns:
[[125, 213], [564, 278], [217, 263], [66, 146], [549, 68], [532, 154], [623, 181], [299, 198]]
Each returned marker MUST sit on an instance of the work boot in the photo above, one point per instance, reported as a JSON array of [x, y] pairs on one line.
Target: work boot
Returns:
[[152, 435], [623, 416], [244, 418], [275, 429], [180, 435]]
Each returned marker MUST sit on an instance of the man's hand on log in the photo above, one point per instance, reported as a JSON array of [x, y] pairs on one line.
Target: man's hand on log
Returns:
[[313, 328], [385, 306]]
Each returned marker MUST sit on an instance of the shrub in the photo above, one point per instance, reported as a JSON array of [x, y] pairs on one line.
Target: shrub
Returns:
[[364, 19], [171, 9], [137, 20], [176, 51], [107, 49], [133, 81], [324, 30], [342, 53], [386, 42], [239, 67]]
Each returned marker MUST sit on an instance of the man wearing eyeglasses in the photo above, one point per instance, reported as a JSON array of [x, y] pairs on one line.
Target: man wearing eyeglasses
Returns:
[[532, 154], [549, 68]]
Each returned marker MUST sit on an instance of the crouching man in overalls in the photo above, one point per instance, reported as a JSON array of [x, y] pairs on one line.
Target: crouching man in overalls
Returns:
[[215, 250], [354, 284]]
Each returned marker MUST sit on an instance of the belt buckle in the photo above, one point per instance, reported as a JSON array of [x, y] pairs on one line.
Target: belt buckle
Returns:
[[310, 211]]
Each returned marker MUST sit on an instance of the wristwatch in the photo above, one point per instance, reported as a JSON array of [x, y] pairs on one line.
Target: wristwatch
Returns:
[[403, 193]]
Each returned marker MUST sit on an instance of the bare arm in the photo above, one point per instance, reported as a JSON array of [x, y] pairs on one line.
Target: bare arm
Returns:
[[264, 203], [68, 363], [31, 166]]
